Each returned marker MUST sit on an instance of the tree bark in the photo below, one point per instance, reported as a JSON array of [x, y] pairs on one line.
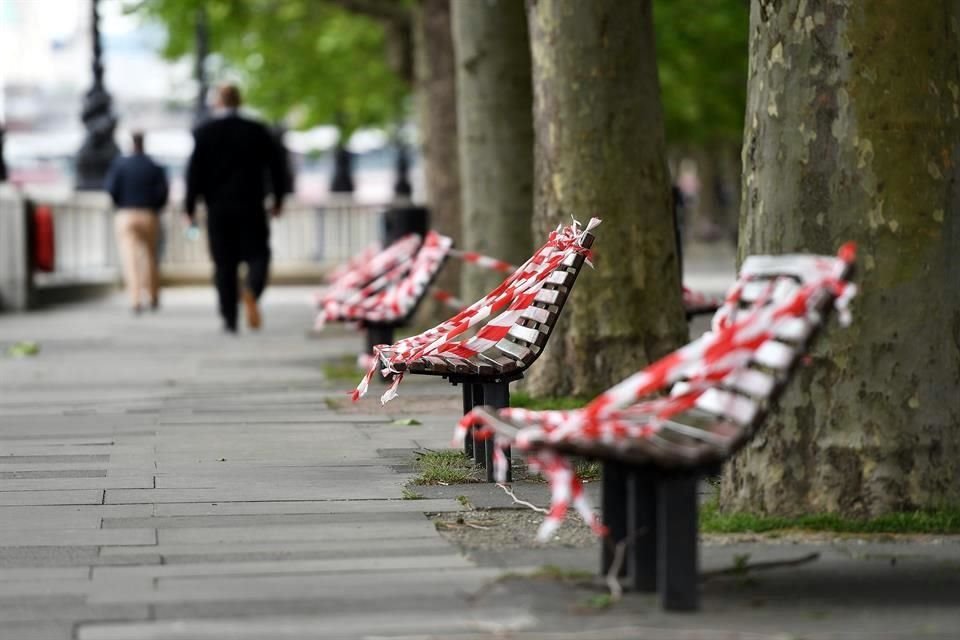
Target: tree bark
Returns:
[[436, 95], [853, 133], [600, 152], [495, 121]]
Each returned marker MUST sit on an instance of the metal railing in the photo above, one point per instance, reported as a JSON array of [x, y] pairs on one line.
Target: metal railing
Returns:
[[84, 246], [305, 240]]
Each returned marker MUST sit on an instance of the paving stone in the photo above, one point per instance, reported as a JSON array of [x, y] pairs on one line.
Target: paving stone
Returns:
[[319, 507], [360, 586], [60, 473], [74, 609], [45, 573], [69, 497], [361, 564], [386, 519], [76, 537], [328, 547], [76, 459], [302, 625], [42, 630]]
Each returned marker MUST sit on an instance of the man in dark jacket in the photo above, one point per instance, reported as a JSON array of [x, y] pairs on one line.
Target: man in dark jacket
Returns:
[[138, 187], [233, 158]]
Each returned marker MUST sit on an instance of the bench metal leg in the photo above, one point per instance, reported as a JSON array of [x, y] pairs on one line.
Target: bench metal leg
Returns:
[[642, 528], [496, 395], [677, 579], [467, 406], [479, 446], [614, 511], [378, 334]]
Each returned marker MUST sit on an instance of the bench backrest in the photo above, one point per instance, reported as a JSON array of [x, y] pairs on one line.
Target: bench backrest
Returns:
[[700, 403], [366, 278], [515, 339], [398, 301], [512, 323]]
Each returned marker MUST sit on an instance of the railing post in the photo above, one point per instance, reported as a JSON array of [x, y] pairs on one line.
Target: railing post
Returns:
[[16, 246]]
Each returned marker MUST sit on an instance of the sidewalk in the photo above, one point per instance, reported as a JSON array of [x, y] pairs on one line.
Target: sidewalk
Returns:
[[161, 480]]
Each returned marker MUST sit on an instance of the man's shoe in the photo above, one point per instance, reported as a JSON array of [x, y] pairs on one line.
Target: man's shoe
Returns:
[[252, 310]]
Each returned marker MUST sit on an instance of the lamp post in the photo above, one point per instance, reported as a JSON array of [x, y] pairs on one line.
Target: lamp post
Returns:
[[99, 148], [3, 163], [402, 189]]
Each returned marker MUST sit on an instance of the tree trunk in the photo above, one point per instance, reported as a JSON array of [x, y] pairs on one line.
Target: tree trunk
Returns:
[[495, 120], [437, 101], [600, 152], [853, 133]]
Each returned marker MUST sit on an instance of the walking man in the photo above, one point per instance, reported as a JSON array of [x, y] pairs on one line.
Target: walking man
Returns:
[[233, 160], [139, 190]]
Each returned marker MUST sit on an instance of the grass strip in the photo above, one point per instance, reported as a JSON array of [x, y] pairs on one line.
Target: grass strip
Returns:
[[940, 521], [443, 467]]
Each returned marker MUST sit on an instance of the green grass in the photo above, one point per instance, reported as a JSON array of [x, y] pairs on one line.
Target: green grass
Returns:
[[553, 572], [443, 467], [344, 368], [587, 470], [524, 400], [942, 521], [410, 494]]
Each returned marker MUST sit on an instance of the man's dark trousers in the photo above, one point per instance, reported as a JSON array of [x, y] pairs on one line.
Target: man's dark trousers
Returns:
[[238, 235]]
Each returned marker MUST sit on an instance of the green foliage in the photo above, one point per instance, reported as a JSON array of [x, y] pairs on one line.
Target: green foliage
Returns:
[[524, 400], [944, 521], [702, 62], [307, 59], [444, 467]]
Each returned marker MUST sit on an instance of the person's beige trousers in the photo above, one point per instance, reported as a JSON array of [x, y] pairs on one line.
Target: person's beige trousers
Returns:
[[137, 233]]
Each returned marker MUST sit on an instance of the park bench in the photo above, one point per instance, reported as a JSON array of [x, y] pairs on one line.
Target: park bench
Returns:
[[659, 431], [381, 290], [493, 341]]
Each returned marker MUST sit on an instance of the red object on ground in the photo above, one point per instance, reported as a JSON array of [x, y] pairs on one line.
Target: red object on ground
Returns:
[[43, 249]]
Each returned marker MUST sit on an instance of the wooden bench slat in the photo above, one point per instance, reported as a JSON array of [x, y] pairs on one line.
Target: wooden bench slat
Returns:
[[729, 404], [527, 334], [515, 350], [751, 382], [560, 277], [549, 296], [775, 354], [794, 329], [537, 314]]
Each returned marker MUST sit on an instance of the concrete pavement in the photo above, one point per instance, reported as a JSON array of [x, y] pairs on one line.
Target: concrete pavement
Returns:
[[161, 480]]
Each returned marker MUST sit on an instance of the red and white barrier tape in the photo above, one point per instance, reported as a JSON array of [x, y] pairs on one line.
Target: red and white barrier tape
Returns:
[[785, 291], [496, 312]]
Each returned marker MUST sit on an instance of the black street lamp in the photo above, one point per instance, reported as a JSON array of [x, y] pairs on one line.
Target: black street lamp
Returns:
[[99, 148], [3, 163], [402, 189]]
